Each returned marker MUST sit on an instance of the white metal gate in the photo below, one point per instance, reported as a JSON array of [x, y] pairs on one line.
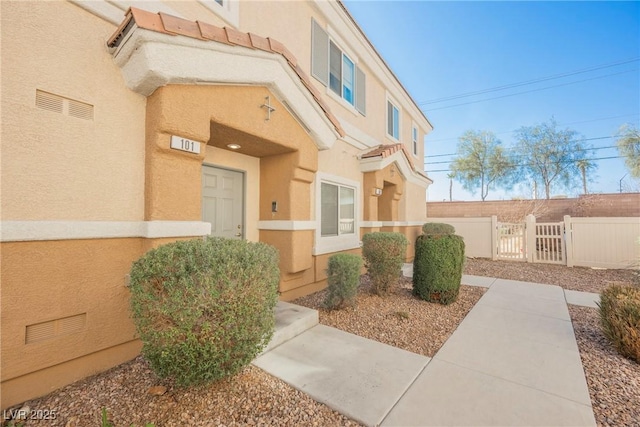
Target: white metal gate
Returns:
[[550, 243], [512, 241]]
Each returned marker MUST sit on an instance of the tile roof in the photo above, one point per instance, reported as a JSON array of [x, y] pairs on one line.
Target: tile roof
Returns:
[[172, 25], [387, 150]]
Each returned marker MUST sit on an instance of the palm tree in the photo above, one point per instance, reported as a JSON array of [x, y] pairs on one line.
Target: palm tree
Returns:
[[451, 175], [583, 165]]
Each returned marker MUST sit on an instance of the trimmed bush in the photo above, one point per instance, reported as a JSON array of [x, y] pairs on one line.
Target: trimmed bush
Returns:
[[204, 308], [437, 267], [619, 309], [431, 228], [384, 254], [343, 276]]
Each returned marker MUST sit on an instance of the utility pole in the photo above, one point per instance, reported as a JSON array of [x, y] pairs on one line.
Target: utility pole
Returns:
[[621, 181]]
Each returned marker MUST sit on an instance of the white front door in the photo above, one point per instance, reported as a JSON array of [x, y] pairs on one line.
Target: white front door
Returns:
[[222, 201]]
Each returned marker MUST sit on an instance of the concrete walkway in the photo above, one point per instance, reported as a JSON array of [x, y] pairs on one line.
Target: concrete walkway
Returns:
[[512, 361]]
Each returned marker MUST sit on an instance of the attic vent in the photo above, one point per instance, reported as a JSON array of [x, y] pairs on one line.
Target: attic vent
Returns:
[[55, 328], [296, 116], [49, 101], [62, 105]]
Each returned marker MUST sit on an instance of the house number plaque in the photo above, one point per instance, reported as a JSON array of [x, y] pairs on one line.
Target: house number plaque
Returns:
[[184, 144]]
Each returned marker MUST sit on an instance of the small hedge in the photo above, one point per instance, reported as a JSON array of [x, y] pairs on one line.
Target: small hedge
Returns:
[[437, 267], [431, 228], [384, 255], [204, 308], [343, 276], [619, 309]]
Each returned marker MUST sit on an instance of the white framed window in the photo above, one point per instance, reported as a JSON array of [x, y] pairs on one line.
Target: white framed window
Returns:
[[229, 10], [414, 139], [337, 70], [337, 213], [337, 209], [393, 120]]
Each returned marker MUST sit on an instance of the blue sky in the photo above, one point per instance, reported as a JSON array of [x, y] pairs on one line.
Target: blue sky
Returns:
[[445, 49]]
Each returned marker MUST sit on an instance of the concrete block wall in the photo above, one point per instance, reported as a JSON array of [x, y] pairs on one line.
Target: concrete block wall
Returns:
[[590, 205]]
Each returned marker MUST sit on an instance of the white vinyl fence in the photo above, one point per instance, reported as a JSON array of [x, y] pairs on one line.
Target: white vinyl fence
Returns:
[[604, 242], [479, 238], [587, 242]]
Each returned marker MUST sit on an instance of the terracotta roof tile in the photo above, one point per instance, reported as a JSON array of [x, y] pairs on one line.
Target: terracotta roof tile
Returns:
[[389, 149], [238, 37], [168, 24], [211, 32], [260, 42], [147, 20], [180, 26], [278, 47]]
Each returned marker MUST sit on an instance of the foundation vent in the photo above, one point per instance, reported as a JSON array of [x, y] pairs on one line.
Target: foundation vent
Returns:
[[67, 106], [55, 328]]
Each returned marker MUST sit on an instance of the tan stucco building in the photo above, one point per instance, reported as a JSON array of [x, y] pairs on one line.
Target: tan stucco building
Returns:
[[126, 125]]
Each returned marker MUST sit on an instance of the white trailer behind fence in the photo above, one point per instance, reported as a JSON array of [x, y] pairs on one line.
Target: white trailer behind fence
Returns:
[[588, 242]]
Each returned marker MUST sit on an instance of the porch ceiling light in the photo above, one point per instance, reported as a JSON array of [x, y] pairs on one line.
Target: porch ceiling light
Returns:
[[233, 146]]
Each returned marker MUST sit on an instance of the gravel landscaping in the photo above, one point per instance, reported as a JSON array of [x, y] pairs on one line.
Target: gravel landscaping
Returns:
[[398, 319], [132, 394], [613, 380], [574, 278]]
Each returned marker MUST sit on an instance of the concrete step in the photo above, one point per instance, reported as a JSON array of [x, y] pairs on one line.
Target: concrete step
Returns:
[[291, 321]]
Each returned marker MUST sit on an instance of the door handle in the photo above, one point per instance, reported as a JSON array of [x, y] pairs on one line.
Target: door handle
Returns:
[[239, 233]]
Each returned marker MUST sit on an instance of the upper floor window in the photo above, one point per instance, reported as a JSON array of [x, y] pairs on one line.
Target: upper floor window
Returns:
[[393, 120], [414, 139], [336, 70], [220, 2]]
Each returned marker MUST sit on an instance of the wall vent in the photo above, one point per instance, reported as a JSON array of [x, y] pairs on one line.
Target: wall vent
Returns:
[[67, 106], [55, 328]]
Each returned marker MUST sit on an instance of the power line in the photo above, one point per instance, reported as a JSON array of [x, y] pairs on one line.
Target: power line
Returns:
[[525, 164], [529, 91], [528, 82], [559, 124], [515, 148], [522, 155]]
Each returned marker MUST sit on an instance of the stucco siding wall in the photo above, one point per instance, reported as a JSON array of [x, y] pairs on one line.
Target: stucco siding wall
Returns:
[[55, 166], [45, 282], [290, 23], [413, 204]]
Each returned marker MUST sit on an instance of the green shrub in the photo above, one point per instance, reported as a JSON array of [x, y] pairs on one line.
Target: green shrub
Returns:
[[619, 309], [431, 228], [384, 255], [204, 308], [437, 267], [343, 276]]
